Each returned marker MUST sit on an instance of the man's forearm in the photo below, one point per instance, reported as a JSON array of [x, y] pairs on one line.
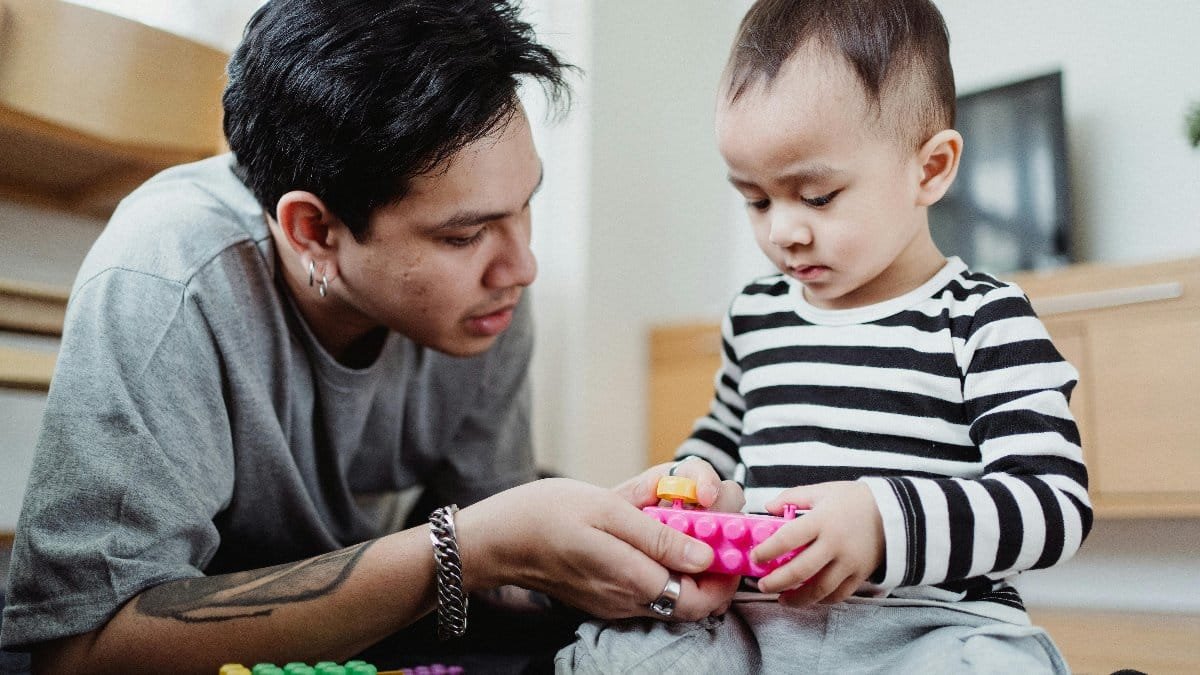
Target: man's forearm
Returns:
[[325, 607], [256, 593]]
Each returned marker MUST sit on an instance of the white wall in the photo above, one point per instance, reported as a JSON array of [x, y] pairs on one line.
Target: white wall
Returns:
[[658, 225], [1129, 77], [217, 23]]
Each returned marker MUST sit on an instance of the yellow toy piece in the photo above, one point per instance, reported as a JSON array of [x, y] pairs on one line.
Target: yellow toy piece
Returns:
[[234, 669], [677, 487]]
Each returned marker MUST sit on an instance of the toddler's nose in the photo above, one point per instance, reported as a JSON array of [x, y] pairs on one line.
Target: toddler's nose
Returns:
[[789, 229]]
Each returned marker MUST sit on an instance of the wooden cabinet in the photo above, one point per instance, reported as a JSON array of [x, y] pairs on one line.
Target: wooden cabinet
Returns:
[[1132, 331], [92, 104], [1105, 642], [683, 362], [29, 309], [1134, 334]]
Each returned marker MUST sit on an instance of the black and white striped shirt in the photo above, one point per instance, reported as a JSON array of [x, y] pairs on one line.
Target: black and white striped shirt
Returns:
[[950, 402]]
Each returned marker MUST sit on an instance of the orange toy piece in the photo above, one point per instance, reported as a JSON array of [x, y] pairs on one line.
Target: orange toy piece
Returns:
[[679, 489]]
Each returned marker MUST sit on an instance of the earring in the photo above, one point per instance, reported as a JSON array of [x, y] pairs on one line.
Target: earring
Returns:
[[323, 289]]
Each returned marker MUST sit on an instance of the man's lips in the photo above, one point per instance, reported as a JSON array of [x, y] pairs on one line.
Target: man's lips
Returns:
[[492, 322]]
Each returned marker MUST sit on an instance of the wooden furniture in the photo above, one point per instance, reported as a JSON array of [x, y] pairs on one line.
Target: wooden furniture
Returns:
[[1098, 643], [92, 104], [1132, 331], [1134, 334], [32, 309], [684, 360], [27, 307]]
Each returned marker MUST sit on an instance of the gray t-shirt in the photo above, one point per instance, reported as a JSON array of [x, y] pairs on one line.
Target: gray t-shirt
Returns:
[[194, 425]]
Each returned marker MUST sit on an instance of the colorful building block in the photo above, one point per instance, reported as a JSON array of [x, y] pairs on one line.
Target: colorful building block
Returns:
[[333, 668], [731, 535]]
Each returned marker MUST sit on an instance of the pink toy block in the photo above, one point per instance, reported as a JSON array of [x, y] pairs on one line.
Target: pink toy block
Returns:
[[731, 535]]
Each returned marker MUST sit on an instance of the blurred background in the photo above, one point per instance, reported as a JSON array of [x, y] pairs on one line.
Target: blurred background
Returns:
[[637, 228]]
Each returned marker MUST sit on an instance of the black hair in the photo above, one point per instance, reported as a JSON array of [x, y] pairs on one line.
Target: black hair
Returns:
[[892, 45], [351, 99]]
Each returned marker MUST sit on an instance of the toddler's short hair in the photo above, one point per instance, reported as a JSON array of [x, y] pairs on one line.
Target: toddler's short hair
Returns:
[[899, 49]]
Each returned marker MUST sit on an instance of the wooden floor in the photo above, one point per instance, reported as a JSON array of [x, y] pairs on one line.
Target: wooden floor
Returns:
[[1099, 643]]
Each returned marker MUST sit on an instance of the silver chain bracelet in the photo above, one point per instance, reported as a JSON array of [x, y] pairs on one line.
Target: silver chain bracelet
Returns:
[[452, 601]]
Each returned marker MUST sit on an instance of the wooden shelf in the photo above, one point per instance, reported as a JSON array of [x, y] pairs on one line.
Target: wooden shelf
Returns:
[[25, 369], [29, 309], [32, 308], [92, 104]]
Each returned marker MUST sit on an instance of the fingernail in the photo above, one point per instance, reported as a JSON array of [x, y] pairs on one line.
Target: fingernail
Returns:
[[696, 554], [755, 557]]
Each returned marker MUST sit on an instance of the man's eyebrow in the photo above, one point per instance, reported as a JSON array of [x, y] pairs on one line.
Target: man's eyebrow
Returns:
[[472, 218]]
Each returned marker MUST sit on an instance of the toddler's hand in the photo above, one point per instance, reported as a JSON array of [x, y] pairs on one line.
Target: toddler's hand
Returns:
[[844, 535], [711, 491]]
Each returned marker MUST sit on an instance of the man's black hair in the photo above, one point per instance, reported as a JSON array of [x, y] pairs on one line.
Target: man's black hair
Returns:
[[893, 46], [350, 99]]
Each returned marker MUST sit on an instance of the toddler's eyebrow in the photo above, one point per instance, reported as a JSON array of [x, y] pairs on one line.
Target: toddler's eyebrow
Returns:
[[795, 176]]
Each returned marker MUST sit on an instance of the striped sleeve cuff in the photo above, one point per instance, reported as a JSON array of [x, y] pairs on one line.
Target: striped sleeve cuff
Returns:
[[896, 512]]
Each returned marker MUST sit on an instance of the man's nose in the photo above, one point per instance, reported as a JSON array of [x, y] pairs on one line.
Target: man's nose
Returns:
[[515, 266]]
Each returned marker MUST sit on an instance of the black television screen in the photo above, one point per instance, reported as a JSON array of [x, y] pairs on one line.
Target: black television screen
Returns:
[[1009, 209]]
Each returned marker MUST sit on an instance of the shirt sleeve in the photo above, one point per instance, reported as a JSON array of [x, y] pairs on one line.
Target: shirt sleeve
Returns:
[[715, 436], [132, 459], [1029, 508]]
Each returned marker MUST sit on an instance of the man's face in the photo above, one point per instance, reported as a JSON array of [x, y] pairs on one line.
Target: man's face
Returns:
[[446, 265], [831, 199]]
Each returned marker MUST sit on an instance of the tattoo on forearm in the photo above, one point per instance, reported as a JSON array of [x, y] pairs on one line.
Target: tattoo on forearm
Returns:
[[254, 593]]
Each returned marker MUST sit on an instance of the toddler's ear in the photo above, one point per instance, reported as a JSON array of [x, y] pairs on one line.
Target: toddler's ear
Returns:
[[939, 165]]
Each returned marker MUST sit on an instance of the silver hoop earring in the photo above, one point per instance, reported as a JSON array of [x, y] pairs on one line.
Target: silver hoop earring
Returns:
[[312, 268], [324, 287]]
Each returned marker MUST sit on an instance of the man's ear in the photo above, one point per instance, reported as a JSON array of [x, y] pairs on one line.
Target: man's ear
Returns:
[[939, 165], [309, 227]]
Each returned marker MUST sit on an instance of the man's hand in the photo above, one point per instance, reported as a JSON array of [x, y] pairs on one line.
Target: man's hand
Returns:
[[713, 494], [588, 547], [843, 533]]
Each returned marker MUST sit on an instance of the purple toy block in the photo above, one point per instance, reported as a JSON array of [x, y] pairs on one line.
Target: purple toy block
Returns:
[[731, 535]]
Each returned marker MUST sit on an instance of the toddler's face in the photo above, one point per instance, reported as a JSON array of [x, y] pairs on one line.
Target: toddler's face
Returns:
[[832, 199]]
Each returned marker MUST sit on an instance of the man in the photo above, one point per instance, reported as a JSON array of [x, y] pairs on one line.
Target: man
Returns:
[[265, 350]]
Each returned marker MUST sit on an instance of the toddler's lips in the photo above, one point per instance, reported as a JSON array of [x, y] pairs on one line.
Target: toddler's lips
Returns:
[[808, 272]]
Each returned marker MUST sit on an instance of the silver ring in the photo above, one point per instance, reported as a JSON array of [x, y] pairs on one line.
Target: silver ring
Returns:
[[678, 464], [664, 604]]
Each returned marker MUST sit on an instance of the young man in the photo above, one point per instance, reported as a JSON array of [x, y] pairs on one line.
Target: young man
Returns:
[[918, 411], [264, 351]]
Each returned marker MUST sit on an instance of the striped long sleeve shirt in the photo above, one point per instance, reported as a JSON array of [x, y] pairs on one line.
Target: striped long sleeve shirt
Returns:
[[950, 402]]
